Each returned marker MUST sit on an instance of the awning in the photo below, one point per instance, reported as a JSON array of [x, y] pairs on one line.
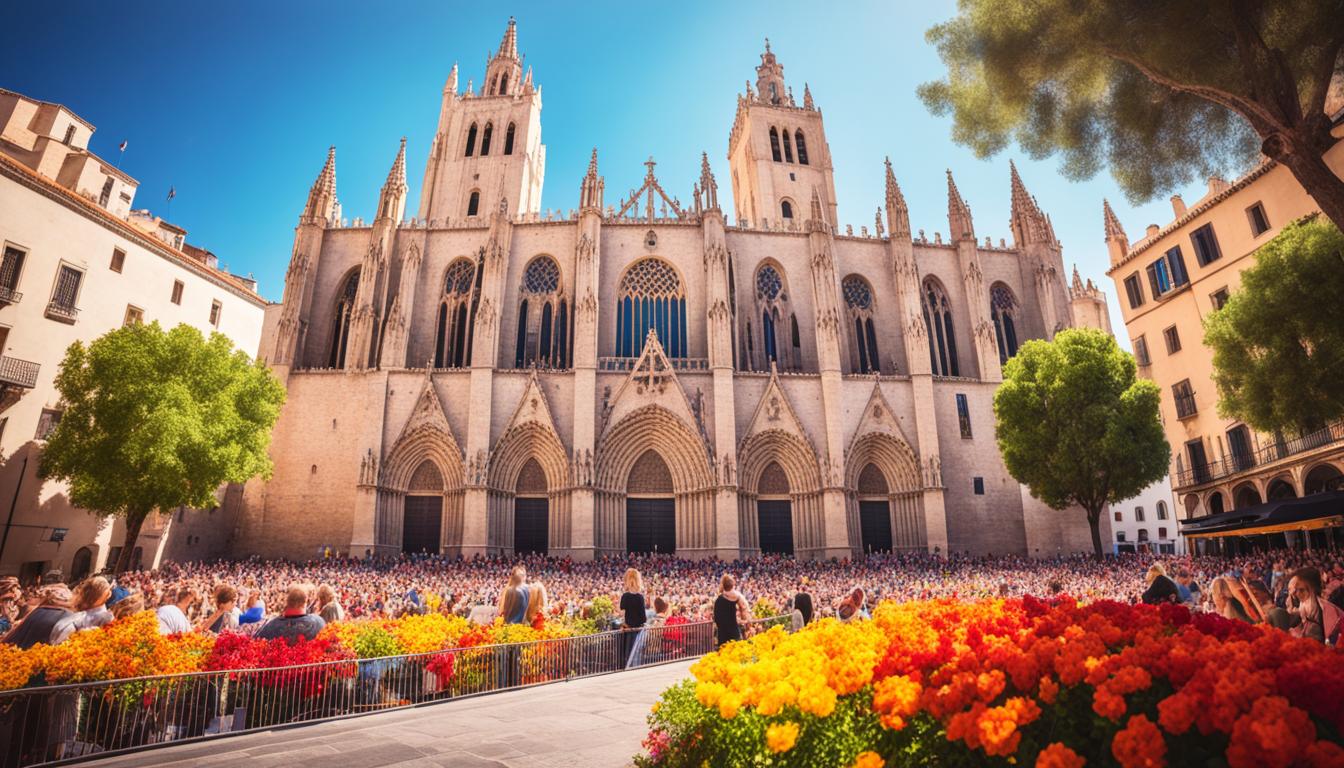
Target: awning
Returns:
[[1319, 510]]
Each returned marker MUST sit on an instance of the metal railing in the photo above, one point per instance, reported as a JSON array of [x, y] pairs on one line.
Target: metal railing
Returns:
[[628, 363], [63, 723], [1281, 449], [9, 295], [66, 313], [19, 373]]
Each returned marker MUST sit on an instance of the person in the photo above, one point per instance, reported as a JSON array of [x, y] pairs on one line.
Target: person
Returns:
[[1225, 603], [851, 606], [39, 626], [1274, 616], [1161, 589], [295, 622], [730, 612], [255, 612], [90, 605], [11, 596], [1315, 617], [132, 603], [223, 618], [535, 615], [327, 606], [513, 600], [802, 610], [173, 616], [635, 610]]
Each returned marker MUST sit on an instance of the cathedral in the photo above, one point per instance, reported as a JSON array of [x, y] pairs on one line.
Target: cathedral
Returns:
[[649, 375]]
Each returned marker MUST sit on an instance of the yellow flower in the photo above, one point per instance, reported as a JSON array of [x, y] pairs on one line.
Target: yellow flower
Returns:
[[728, 705], [781, 737], [869, 760], [657, 705]]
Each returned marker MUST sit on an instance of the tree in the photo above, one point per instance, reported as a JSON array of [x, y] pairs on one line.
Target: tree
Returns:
[[155, 420], [1160, 90], [1076, 426], [1278, 343]]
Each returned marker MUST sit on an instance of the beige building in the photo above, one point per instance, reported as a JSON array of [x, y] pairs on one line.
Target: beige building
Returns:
[[647, 374], [77, 262], [1167, 283]]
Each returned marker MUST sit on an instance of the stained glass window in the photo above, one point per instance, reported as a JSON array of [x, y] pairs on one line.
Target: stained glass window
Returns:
[[651, 298]]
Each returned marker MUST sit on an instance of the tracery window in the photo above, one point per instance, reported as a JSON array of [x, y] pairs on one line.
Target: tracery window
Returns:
[[485, 138], [471, 140], [508, 140], [340, 330], [543, 317], [942, 338], [788, 147], [801, 145], [774, 144], [1003, 308], [651, 297], [452, 342], [859, 303], [778, 325]]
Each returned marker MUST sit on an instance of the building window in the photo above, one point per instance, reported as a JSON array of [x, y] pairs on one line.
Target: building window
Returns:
[[942, 338], [1162, 512], [543, 317], [215, 309], [1141, 352], [788, 147], [1167, 273], [452, 344], [1259, 221], [801, 145], [964, 416], [69, 134], [177, 292], [508, 140], [859, 304], [978, 485], [1199, 464], [1185, 399], [46, 423], [1120, 537], [133, 315], [1134, 290], [471, 140], [118, 260], [63, 298], [1143, 534], [774, 144], [485, 138], [1119, 516], [1239, 444], [650, 298], [1219, 298], [1173, 339], [106, 194], [10, 269], [1003, 309], [1206, 245], [772, 306], [474, 203], [1138, 514], [786, 209], [340, 330]]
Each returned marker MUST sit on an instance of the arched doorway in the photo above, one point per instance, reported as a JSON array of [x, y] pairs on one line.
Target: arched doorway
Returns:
[[81, 565], [650, 507], [874, 511], [774, 511], [1215, 503], [422, 524], [1245, 497], [1323, 478], [1280, 489], [531, 511]]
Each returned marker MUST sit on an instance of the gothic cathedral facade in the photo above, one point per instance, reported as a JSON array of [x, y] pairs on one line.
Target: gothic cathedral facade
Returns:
[[648, 375]]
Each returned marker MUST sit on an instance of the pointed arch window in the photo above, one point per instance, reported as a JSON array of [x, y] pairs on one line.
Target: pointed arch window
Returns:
[[859, 303], [508, 140], [474, 203], [543, 317], [340, 331], [786, 209], [1003, 308], [774, 144], [779, 337], [485, 138], [471, 140], [650, 298], [452, 342], [801, 146], [942, 337], [503, 84], [788, 147]]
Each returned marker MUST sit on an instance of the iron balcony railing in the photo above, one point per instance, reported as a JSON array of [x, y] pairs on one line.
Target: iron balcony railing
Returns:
[[9, 295], [18, 373], [66, 313], [1215, 470], [628, 363], [62, 723]]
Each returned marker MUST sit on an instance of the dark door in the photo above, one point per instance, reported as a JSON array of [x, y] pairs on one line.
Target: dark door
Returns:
[[775, 520], [422, 524], [1199, 466], [650, 525], [875, 526], [530, 520]]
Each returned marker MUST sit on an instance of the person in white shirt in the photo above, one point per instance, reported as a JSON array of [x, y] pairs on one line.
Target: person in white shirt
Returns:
[[173, 616], [90, 604]]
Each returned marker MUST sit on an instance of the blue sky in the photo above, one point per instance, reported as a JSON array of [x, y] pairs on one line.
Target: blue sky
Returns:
[[234, 105]]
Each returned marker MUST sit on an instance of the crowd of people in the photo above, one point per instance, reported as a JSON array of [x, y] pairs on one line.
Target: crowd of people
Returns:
[[1297, 591]]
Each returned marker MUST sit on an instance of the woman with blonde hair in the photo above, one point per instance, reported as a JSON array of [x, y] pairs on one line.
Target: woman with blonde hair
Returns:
[[636, 612], [90, 605], [730, 612], [1161, 589], [535, 615], [1225, 602], [513, 601]]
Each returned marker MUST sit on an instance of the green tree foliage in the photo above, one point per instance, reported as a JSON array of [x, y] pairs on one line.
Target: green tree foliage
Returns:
[[1163, 92], [158, 419], [1076, 426], [1278, 343]]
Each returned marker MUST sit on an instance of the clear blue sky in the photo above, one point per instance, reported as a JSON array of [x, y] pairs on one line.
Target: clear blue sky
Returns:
[[234, 104]]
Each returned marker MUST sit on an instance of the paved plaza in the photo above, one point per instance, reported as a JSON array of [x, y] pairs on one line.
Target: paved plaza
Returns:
[[595, 722]]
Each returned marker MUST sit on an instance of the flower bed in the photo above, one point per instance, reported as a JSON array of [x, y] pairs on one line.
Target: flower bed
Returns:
[[1016, 682]]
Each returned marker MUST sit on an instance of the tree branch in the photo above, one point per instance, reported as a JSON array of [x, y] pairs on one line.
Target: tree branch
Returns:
[[1324, 72], [1248, 108]]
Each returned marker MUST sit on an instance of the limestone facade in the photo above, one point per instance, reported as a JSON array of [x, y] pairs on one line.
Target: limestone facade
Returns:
[[649, 373]]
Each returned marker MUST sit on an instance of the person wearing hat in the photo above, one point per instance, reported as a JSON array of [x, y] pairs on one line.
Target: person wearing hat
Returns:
[[40, 625]]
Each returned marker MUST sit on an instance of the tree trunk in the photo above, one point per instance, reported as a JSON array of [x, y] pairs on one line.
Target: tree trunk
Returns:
[[1303, 153], [134, 522], [1094, 522]]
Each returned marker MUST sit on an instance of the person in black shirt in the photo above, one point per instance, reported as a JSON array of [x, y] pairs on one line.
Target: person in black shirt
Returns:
[[730, 611], [1161, 589], [636, 612]]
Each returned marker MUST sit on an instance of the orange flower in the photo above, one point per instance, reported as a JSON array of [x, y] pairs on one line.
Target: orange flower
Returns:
[[1059, 756], [869, 760], [1272, 735], [1325, 754], [1139, 745], [1177, 713], [1049, 690], [896, 698], [780, 737]]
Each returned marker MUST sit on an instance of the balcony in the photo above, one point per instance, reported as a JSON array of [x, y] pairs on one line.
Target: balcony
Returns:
[[1332, 434], [628, 363], [64, 313], [18, 373], [9, 295]]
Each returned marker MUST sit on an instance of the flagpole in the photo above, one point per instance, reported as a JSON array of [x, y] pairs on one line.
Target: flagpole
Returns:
[[121, 152]]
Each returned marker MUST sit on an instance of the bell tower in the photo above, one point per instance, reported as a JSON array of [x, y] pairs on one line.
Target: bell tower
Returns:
[[488, 144], [777, 152]]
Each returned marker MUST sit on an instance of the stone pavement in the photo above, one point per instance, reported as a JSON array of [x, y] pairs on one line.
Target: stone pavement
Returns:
[[594, 723]]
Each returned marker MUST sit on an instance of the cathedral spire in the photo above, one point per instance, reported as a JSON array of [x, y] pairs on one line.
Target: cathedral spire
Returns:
[[322, 196], [898, 215], [807, 98], [590, 190], [392, 199], [508, 47], [1027, 222], [958, 213], [1117, 242], [708, 186], [450, 87], [770, 78]]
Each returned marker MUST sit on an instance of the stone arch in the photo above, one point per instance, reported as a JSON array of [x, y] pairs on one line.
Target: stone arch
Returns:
[[1191, 502], [1245, 495], [420, 456], [1215, 503], [684, 453], [902, 482], [792, 457], [528, 443], [1280, 487], [1322, 477]]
